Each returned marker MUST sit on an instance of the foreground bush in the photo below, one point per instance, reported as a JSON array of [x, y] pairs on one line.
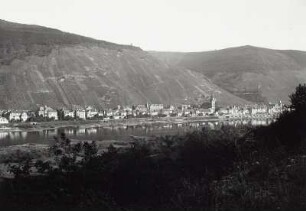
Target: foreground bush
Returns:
[[170, 171]]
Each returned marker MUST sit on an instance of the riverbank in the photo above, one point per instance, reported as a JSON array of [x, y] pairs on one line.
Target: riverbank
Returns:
[[37, 126]]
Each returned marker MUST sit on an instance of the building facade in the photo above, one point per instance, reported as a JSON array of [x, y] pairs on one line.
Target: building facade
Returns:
[[3, 120]]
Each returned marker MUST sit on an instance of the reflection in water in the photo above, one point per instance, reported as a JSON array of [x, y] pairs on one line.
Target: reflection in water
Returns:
[[211, 125], [3, 135], [69, 131], [14, 135], [80, 131], [24, 135], [91, 131], [116, 133], [52, 133]]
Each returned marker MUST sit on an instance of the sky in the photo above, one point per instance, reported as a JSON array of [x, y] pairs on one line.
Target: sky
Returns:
[[171, 25]]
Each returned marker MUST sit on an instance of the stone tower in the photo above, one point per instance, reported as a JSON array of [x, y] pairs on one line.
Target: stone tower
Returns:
[[213, 104]]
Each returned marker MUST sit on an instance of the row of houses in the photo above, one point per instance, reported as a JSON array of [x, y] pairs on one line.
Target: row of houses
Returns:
[[171, 110], [48, 113], [121, 112], [90, 112], [25, 115], [269, 110]]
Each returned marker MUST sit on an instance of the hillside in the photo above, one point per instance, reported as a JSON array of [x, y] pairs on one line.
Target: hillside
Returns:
[[255, 74], [40, 65], [21, 40]]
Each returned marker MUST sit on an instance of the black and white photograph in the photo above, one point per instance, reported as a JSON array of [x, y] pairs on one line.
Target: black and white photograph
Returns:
[[153, 105]]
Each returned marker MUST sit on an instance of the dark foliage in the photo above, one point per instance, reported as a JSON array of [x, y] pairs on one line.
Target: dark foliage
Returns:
[[145, 175], [289, 129]]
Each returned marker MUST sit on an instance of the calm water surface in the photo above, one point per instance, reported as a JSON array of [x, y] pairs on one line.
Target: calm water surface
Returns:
[[113, 133]]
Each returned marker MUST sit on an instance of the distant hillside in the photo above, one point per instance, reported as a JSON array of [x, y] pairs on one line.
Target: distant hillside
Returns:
[[20, 40], [255, 74], [40, 65]]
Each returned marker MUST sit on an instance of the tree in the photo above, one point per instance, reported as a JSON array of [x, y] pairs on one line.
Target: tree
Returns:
[[298, 99], [289, 129]]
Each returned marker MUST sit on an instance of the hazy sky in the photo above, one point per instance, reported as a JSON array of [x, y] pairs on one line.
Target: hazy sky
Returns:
[[171, 25]]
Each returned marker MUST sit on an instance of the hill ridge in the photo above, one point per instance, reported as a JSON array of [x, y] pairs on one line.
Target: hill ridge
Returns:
[[39, 40]]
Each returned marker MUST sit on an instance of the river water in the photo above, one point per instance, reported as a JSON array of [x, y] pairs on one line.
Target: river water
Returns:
[[113, 133]]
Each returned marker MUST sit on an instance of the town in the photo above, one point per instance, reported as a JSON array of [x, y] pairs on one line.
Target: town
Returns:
[[207, 110]]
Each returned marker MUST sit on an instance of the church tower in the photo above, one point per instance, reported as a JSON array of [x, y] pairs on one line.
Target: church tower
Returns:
[[213, 104], [281, 106]]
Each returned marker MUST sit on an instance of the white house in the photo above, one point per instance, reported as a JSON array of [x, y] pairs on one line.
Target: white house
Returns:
[[155, 107], [185, 107], [101, 114], [275, 108], [233, 111], [46, 111], [24, 116], [91, 112], [179, 113], [41, 111], [203, 112], [117, 117], [3, 120], [81, 113], [15, 116], [154, 113], [141, 109], [52, 114], [128, 110], [109, 113], [259, 109], [223, 111], [119, 114], [68, 113]]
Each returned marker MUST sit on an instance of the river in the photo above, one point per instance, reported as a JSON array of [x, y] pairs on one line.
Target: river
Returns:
[[113, 133]]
